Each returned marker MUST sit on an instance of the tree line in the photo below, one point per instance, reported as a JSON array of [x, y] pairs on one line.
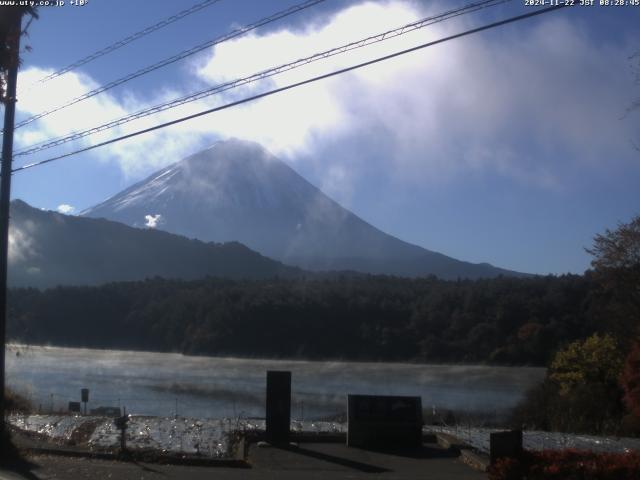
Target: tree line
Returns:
[[520, 321]]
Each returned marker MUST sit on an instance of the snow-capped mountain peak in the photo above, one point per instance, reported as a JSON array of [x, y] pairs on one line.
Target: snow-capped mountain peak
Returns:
[[237, 191]]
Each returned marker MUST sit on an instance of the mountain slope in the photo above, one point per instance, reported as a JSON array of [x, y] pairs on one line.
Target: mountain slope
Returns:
[[236, 190], [48, 248]]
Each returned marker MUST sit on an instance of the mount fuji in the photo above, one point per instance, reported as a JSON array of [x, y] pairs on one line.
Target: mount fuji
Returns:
[[237, 191]]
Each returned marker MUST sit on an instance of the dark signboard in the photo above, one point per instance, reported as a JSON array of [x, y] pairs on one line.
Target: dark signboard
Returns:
[[505, 444], [74, 407], [85, 395], [278, 413], [384, 421]]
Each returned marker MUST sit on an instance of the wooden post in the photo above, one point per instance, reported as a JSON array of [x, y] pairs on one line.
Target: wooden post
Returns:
[[14, 23]]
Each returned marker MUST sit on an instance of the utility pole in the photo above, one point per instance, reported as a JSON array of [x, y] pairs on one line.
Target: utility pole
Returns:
[[14, 26]]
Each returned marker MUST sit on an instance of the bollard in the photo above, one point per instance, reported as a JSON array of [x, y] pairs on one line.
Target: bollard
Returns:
[[121, 423], [84, 395]]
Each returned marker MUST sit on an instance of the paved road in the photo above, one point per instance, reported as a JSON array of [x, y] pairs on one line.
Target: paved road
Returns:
[[308, 461]]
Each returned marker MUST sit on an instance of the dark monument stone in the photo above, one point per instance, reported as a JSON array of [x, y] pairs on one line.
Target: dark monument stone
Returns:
[[106, 411], [278, 406], [386, 422], [505, 444], [74, 407]]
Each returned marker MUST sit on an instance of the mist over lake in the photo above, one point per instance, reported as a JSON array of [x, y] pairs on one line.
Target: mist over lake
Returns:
[[155, 383]]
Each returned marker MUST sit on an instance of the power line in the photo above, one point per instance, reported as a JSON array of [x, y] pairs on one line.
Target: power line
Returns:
[[129, 39], [297, 84], [46, 144], [180, 56]]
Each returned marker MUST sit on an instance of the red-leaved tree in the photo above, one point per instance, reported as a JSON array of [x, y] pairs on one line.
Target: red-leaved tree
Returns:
[[630, 380]]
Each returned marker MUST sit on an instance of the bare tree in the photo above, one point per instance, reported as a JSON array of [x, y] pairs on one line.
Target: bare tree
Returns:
[[616, 264], [6, 40]]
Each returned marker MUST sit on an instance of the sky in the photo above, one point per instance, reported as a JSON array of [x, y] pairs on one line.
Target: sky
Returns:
[[511, 146]]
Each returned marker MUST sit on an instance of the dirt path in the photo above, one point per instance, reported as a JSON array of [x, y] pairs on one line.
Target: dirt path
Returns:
[[306, 461]]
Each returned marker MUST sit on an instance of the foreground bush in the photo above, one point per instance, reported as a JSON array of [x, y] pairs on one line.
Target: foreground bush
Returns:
[[568, 465], [581, 393], [593, 409], [14, 402]]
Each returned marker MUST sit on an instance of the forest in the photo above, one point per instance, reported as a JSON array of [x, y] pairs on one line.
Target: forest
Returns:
[[510, 321]]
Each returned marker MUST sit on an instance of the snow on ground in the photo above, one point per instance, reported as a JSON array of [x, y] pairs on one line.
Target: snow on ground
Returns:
[[208, 437], [537, 440]]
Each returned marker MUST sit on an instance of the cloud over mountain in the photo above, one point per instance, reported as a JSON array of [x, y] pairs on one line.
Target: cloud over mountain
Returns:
[[478, 105], [238, 191]]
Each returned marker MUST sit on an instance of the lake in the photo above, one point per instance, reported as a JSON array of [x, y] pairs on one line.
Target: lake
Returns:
[[164, 384]]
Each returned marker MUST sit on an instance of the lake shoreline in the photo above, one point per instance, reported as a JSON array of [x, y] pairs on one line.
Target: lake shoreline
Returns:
[[163, 384], [276, 358]]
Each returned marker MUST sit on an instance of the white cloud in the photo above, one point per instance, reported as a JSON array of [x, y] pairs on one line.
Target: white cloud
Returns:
[[521, 106], [65, 209], [34, 270], [152, 221], [517, 106], [22, 246], [134, 157]]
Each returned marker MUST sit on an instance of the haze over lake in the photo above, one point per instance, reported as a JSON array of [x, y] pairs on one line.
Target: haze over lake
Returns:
[[206, 387]]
